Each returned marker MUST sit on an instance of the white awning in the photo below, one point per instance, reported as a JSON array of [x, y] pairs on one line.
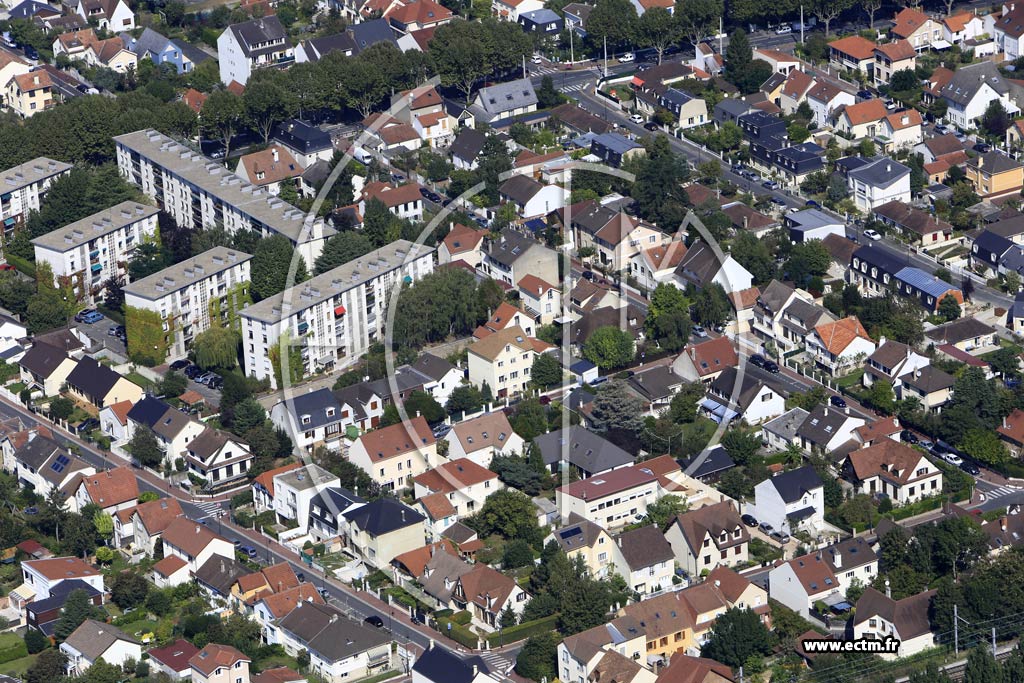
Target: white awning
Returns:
[[941, 45]]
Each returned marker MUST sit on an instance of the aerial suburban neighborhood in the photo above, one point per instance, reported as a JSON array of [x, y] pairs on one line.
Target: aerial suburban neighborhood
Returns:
[[423, 341]]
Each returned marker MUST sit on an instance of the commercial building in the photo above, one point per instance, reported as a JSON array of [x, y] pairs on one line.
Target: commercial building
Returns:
[[97, 248], [199, 192], [192, 296], [337, 315]]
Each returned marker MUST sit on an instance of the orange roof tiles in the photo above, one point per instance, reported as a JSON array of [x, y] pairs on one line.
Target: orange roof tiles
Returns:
[[390, 195], [266, 479], [454, 475], [266, 168], [888, 459], [59, 568], [437, 506], [416, 561], [112, 487], [865, 112], [34, 80], [156, 515], [838, 335], [169, 565], [712, 356], [281, 604], [1012, 427], [958, 22], [667, 256], [857, 47], [897, 51], [215, 656], [908, 21], [193, 99], [904, 119], [120, 411], [533, 284], [391, 442]]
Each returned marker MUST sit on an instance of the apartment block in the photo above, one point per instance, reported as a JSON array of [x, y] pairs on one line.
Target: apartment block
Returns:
[[199, 192], [335, 316], [97, 248], [205, 291], [23, 188]]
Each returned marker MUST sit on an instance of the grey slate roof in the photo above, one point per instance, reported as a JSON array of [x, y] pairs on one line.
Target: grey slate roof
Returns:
[[383, 516], [993, 162], [316, 48], [369, 33], [774, 296], [928, 379], [787, 424], [509, 247], [794, 484], [467, 144], [520, 188], [433, 367], [37, 451], [968, 80], [315, 405], [42, 359], [579, 533], [503, 97], [882, 172], [441, 665], [959, 330], [644, 547], [258, 31], [588, 451], [822, 424], [220, 573]]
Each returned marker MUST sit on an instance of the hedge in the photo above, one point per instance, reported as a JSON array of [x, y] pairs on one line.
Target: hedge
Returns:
[[523, 631], [26, 267], [11, 648], [916, 508], [460, 634], [462, 618]]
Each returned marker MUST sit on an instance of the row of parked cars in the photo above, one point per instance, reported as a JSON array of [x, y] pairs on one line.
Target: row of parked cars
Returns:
[[196, 373], [768, 529]]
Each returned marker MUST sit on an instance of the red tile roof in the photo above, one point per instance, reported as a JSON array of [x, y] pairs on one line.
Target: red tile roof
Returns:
[[390, 195], [391, 442], [454, 475], [1012, 427], [213, 656], [857, 47], [266, 479], [169, 565], [908, 21], [712, 356], [176, 655], [838, 335], [866, 112], [60, 568], [897, 51], [112, 487]]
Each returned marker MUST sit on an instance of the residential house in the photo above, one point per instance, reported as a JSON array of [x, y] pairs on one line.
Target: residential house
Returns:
[[339, 648], [708, 537], [409, 16], [791, 501], [1008, 29], [465, 483], [705, 361], [826, 429], [218, 663], [216, 576], [466, 148], [269, 168], [839, 346], [927, 230], [462, 243], [46, 368], [505, 100], [540, 299], [959, 28], [862, 120], [503, 361], [701, 265], [813, 224], [878, 617], [30, 93], [917, 28], [970, 92], [825, 98], [656, 265], [44, 615], [585, 539], [40, 578], [380, 530], [966, 334], [531, 198], [656, 385], [753, 401], [645, 560], [112, 490], [988, 252], [541, 21], [891, 57], [689, 111], [823, 576], [891, 360], [312, 419], [326, 510], [688, 669], [173, 659], [172, 428], [613, 148], [874, 182], [112, 15], [855, 53], [255, 44], [439, 664], [42, 465], [93, 640], [613, 499], [141, 526], [162, 50], [486, 593], [1011, 431], [781, 432], [509, 10], [932, 387], [892, 469], [295, 489], [393, 455], [587, 654], [404, 201], [995, 175], [901, 130], [483, 437], [588, 454], [194, 543], [270, 606], [513, 256]]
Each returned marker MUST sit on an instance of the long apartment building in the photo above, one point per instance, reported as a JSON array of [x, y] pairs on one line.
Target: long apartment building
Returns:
[[96, 249], [335, 316], [199, 192], [204, 291], [23, 188]]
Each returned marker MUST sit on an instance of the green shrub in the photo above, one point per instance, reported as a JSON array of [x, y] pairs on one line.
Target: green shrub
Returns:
[[12, 647], [460, 634], [462, 618], [524, 631]]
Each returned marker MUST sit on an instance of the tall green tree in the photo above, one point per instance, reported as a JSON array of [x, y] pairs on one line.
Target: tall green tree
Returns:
[[223, 115], [658, 29], [266, 102], [77, 608], [609, 347], [145, 449], [616, 408], [340, 249], [697, 18], [270, 267], [614, 20], [737, 636], [216, 347]]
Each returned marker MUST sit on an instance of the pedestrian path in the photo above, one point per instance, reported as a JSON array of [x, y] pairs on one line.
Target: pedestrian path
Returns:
[[497, 662], [210, 508]]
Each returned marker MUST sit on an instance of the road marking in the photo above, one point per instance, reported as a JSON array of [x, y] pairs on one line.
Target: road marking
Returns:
[[210, 508]]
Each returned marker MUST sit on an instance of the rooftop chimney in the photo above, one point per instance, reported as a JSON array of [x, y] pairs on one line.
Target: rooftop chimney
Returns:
[[274, 154]]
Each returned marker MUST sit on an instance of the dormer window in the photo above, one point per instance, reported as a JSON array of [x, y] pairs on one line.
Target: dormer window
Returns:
[[306, 419]]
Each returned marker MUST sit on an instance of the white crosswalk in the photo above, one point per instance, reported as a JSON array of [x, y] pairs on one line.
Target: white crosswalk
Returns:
[[574, 88], [497, 662], [210, 508], [1000, 491], [543, 70]]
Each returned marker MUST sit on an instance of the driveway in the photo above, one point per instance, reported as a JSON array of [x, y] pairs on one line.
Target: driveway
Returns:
[[99, 333]]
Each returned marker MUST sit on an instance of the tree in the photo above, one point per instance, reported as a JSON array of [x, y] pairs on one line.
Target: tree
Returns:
[[465, 398], [664, 510], [754, 255], [697, 17], [658, 188], [103, 523], [145, 449], [614, 20], [517, 554], [422, 403], [949, 307], [248, 414], [609, 347], [872, 6], [741, 445], [173, 384], [683, 408], [546, 371], [807, 260], [271, 264], [77, 608], [995, 120], [982, 667], [881, 396], [547, 95], [159, 602], [509, 514], [216, 347], [48, 667], [365, 86], [985, 446], [265, 102], [837, 190], [61, 408], [340, 249], [712, 305], [494, 161], [616, 408], [827, 10], [904, 80], [656, 28], [222, 115], [128, 590], [738, 57], [736, 636], [35, 641], [459, 55], [536, 661]]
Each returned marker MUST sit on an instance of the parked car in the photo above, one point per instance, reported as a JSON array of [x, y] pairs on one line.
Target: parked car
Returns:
[[301, 577], [780, 536], [864, 94], [6, 266], [983, 148], [766, 527], [783, 30], [941, 130], [112, 331], [374, 620], [837, 401], [772, 367], [699, 331], [80, 316], [93, 317], [588, 275], [925, 444], [30, 52], [636, 118], [778, 201], [536, 59], [813, 204], [193, 371], [86, 426], [749, 520], [248, 551], [970, 468], [952, 458], [908, 436], [758, 360], [872, 234], [206, 377], [770, 185], [628, 57], [651, 126], [180, 364], [216, 382]]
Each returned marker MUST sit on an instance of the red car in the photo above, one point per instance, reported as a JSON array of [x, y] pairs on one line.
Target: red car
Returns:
[[7, 266]]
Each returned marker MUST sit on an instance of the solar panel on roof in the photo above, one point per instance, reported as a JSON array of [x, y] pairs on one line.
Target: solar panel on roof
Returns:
[[566, 534]]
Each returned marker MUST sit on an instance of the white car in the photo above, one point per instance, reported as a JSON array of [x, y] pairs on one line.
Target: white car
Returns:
[[637, 119], [953, 459], [628, 57], [872, 235], [783, 30], [537, 59]]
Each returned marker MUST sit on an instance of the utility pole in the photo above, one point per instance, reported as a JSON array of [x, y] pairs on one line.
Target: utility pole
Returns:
[[956, 629], [721, 37], [572, 57], [993, 642], [606, 56], [741, 675], [524, 67]]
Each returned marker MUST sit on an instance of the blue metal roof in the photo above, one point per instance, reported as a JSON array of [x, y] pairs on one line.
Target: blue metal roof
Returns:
[[920, 280]]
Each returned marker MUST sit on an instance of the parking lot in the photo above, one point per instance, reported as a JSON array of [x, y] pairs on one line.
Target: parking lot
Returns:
[[98, 332]]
